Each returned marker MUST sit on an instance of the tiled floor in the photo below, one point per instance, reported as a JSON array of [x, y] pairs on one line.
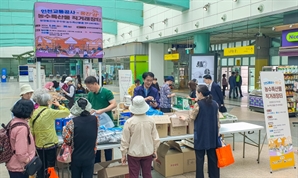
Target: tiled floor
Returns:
[[242, 168]]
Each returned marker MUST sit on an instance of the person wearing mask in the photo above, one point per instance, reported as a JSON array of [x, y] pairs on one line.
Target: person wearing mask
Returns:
[[133, 86], [232, 83], [224, 84], [42, 125], [70, 92], [21, 139], [215, 90], [147, 91], [102, 101], [238, 85], [192, 87], [206, 132], [140, 140], [80, 89], [81, 134], [166, 96], [155, 84]]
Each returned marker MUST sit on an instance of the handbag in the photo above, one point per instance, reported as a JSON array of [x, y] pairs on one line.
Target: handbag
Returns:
[[33, 166], [64, 155], [224, 156]]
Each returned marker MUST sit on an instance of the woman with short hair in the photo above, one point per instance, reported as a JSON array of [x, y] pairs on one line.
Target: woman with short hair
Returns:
[[21, 139], [42, 127]]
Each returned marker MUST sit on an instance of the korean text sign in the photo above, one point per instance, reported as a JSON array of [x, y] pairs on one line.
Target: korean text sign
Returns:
[[65, 30], [277, 120]]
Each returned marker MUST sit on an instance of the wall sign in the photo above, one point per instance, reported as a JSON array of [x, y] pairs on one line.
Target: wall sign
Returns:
[[125, 81], [171, 56], [290, 38], [277, 120], [243, 50]]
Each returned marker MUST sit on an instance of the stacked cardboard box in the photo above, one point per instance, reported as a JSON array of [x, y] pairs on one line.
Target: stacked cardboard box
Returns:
[[162, 123], [111, 169]]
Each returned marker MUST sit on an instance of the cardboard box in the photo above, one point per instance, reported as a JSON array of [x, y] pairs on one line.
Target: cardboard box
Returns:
[[169, 161], [188, 142], [177, 127], [162, 124], [111, 169], [189, 158], [190, 127]]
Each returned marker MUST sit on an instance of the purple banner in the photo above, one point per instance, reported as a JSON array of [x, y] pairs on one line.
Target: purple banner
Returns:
[[65, 30], [285, 41]]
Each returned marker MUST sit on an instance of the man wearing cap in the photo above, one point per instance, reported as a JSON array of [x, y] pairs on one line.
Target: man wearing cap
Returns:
[[140, 140], [166, 95], [26, 94], [70, 93]]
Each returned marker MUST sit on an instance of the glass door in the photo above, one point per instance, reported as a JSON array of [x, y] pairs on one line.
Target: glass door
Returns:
[[244, 75], [251, 79]]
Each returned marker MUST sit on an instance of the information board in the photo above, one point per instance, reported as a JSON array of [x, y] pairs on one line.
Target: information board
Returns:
[[277, 120], [65, 30], [125, 81]]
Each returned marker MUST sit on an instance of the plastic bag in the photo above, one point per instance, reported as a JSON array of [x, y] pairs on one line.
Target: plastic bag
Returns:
[[153, 112], [64, 155], [105, 120]]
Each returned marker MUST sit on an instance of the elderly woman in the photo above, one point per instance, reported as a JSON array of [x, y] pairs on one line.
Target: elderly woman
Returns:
[[140, 140], [26, 94], [81, 134], [42, 124]]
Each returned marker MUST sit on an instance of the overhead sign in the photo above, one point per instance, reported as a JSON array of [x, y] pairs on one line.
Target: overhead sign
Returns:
[[243, 50], [171, 56], [289, 38], [277, 120], [65, 30]]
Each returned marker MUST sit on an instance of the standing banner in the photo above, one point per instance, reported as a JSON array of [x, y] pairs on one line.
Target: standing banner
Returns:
[[43, 78], [277, 120], [125, 81]]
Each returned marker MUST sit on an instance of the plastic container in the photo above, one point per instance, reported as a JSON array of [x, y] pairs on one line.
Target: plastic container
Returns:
[[105, 120], [59, 124], [65, 121], [125, 115]]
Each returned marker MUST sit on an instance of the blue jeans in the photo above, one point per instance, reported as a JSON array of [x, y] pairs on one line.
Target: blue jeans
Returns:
[[232, 89]]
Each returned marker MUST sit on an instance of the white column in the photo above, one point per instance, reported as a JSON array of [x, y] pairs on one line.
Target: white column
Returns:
[[38, 73], [156, 61]]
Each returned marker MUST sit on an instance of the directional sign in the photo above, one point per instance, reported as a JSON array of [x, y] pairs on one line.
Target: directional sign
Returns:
[[245, 50], [171, 56]]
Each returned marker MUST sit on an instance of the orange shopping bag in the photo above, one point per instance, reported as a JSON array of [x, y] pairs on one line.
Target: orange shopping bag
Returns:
[[224, 156], [52, 173]]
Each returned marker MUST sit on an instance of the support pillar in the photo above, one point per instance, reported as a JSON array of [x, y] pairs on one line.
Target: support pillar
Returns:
[[99, 71], [156, 60], [262, 48], [38, 72], [202, 42]]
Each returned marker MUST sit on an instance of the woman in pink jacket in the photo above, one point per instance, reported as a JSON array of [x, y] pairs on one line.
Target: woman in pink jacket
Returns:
[[23, 145]]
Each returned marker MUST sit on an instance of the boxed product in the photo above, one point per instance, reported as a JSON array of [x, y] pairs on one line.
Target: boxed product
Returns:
[[162, 124], [177, 127], [186, 114], [169, 156], [111, 169], [189, 158]]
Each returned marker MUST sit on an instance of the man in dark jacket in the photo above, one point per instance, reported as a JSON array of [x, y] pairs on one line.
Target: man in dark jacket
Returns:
[[232, 83], [146, 90], [215, 90]]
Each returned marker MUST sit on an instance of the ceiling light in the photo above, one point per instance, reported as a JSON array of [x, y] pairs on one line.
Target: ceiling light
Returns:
[[122, 35], [108, 39], [130, 32], [235, 0], [206, 7], [291, 26], [224, 17], [165, 21], [147, 37], [160, 34], [176, 30], [151, 26], [197, 24]]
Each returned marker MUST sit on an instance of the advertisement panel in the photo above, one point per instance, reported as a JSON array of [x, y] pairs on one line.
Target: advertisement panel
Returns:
[[289, 38], [65, 30], [202, 65], [277, 120], [125, 81]]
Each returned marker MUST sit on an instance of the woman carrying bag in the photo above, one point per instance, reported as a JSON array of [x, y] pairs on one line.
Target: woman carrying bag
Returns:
[[205, 114]]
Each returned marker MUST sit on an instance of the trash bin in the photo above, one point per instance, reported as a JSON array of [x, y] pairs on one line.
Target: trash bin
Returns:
[[3, 75]]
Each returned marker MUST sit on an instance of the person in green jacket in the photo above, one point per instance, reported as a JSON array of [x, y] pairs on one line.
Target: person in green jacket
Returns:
[[42, 125]]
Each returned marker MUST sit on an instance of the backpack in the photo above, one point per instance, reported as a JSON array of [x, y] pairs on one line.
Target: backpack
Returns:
[[6, 151]]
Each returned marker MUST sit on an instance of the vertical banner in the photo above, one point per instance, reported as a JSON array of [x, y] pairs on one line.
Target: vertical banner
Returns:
[[125, 81], [43, 78], [277, 120]]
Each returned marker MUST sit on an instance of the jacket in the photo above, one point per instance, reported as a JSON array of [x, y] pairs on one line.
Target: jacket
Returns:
[[24, 152], [232, 81], [217, 94], [44, 127], [140, 91]]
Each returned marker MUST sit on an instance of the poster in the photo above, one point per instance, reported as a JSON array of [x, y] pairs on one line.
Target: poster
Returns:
[[277, 120], [65, 30], [202, 65], [125, 81], [43, 78]]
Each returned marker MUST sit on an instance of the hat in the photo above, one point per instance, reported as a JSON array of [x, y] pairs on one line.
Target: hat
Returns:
[[170, 78], [76, 110], [26, 89], [68, 79], [138, 105]]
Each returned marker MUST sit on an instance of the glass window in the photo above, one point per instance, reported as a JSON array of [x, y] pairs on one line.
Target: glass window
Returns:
[[245, 61], [213, 47], [275, 61], [219, 47], [238, 44], [252, 61], [284, 60], [245, 43], [225, 45], [224, 61], [231, 45], [231, 62]]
